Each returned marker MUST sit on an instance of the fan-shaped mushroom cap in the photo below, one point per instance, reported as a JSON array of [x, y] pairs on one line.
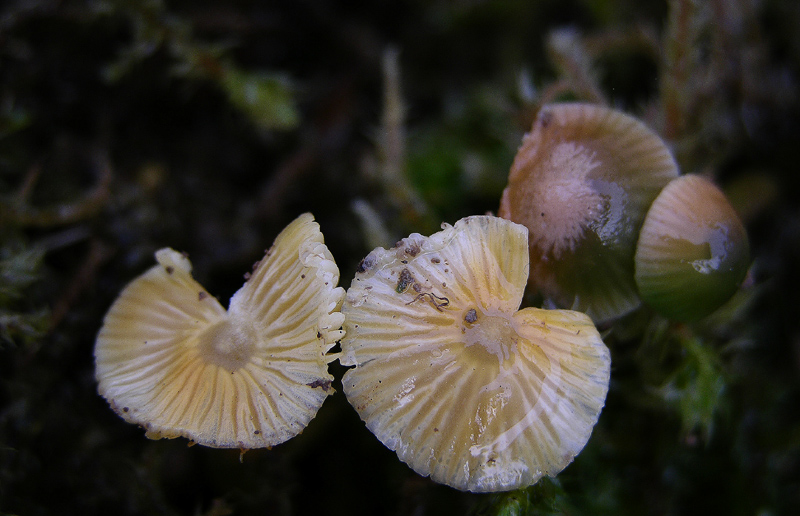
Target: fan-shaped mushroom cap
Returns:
[[172, 360], [693, 251], [449, 374], [582, 182]]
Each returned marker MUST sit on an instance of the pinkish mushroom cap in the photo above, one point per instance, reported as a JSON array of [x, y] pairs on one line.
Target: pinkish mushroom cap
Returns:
[[582, 183]]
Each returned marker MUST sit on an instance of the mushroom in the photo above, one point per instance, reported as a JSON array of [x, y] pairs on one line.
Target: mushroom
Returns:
[[693, 251], [170, 358], [582, 183], [451, 375]]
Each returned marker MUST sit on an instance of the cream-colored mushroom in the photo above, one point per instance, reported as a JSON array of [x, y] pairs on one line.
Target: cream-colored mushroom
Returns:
[[451, 375], [170, 358]]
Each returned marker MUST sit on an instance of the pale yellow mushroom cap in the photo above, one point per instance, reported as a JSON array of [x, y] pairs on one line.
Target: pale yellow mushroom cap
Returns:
[[451, 375], [170, 358]]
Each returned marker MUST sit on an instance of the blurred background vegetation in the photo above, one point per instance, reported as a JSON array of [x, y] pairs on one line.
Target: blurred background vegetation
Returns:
[[208, 126]]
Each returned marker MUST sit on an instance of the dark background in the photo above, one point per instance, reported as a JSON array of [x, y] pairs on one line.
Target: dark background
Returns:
[[126, 127]]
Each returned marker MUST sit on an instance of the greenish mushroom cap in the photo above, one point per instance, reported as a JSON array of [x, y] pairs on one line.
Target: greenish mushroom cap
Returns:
[[693, 251]]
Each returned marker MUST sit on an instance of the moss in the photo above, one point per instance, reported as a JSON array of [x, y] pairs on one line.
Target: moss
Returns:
[[192, 164]]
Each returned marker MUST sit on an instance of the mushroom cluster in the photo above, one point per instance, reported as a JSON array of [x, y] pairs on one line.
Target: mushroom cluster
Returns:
[[446, 369], [170, 358], [584, 180], [453, 376]]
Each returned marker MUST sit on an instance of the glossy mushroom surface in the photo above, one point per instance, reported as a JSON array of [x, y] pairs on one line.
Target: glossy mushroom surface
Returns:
[[170, 358], [693, 251], [582, 182], [450, 374]]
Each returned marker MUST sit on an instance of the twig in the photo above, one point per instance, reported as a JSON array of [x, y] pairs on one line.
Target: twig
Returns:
[[392, 144]]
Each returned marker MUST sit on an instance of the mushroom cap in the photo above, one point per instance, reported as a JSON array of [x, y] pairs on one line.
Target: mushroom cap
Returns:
[[452, 376], [693, 251], [170, 358], [582, 182]]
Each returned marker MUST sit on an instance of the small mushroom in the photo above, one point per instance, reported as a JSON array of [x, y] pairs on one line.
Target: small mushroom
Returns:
[[451, 375], [170, 358], [693, 251], [582, 183]]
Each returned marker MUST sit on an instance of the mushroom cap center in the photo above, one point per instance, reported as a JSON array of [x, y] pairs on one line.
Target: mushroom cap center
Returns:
[[489, 338], [227, 345], [564, 203]]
